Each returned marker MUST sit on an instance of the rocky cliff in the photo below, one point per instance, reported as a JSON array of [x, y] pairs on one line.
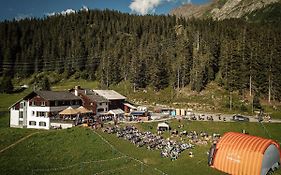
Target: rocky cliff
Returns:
[[222, 9]]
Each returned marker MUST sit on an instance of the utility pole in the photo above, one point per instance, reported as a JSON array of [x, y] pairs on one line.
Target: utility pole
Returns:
[[250, 85], [107, 79], [251, 73], [269, 89], [252, 105], [269, 78], [230, 101], [198, 41], [178, 78], [134, 87]]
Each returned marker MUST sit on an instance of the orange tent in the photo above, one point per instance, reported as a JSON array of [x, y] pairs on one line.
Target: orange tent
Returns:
[[239, 154]]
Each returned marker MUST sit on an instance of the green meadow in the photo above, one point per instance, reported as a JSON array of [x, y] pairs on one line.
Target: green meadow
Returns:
[[82, 151]]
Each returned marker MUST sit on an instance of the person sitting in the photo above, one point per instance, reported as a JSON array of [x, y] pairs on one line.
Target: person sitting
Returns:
[[190, 154]]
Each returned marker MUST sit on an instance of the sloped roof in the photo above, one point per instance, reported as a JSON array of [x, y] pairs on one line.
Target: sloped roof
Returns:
[[49, 95], [130, 106], [69, 111], [138, 112], [97, 98], [116, 111], [163, 124], [83, 110], [110, 94], [57, 95]]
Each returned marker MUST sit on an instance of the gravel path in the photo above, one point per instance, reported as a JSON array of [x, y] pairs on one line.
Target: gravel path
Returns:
[[17, 142]]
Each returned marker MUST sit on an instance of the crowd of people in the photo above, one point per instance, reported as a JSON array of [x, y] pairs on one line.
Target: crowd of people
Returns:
[[169, 148], [207, 117]]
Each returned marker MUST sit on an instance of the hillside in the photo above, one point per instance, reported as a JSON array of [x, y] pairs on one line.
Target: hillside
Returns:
[[226, 9], [269, 13], [81, 151], [148, 51]]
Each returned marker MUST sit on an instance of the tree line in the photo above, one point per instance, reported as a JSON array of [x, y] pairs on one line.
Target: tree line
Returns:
[[150, 50]]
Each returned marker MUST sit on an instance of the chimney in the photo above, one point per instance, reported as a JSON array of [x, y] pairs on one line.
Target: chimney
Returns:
[[76, 89]]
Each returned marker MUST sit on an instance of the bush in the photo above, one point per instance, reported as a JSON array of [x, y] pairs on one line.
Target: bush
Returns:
[[256, 102], [243, 108], [6, 84]]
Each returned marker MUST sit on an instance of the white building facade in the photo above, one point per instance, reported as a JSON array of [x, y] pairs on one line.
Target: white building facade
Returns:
[[36, 109]]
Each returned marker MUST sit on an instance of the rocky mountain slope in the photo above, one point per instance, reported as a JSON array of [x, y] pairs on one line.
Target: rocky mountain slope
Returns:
[[223, 9]]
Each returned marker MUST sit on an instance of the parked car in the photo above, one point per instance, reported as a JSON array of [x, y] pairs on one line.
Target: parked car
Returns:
[[238, 117]]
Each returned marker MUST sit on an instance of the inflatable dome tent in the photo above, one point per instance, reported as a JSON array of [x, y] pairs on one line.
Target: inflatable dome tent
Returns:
[[238, 154]]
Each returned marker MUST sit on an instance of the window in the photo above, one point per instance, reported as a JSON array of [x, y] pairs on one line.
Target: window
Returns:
[[56, 103], [40, 114], [32, 123], [33, 113], [106, 103], [32, 103], [43, 103], [20, 123], [42, 123], [100, 104], [105, 109], [21, 105], [21, 114], [100, 110]]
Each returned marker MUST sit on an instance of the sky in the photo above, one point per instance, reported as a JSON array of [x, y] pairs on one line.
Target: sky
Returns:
[[19, 9]]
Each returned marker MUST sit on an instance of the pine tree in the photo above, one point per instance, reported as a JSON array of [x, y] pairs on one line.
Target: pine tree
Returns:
[[41, 82], [6, 84]]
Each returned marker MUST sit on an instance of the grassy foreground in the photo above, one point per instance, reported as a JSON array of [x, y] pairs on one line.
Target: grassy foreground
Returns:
[[185, 164], [81, 151], [61, 152]]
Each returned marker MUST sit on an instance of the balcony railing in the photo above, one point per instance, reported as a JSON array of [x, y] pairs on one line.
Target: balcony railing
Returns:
[[62, 121]]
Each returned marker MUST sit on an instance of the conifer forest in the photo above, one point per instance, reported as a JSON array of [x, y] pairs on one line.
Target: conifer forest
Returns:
[[158, 51]]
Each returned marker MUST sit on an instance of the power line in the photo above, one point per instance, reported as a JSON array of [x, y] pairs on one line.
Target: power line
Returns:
[[47, 65], [87, 60]]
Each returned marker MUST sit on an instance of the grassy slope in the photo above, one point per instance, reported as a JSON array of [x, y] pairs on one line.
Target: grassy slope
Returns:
[[198, 164], [211, 99], [10, 135], [8, 99], [184, 165], [52, 149], [62, 86]]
